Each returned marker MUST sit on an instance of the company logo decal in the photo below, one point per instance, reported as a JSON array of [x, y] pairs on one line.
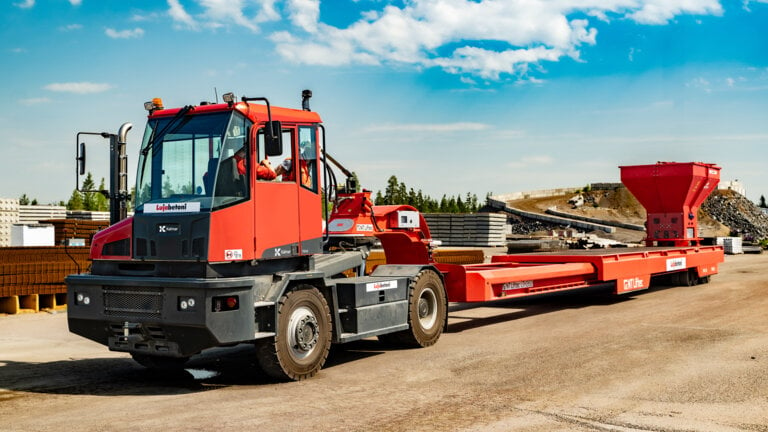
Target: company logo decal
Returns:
[[364, 227], [191, 207], [168, 229], [383, 285], [509, 286], [676, 264], [633, 284]]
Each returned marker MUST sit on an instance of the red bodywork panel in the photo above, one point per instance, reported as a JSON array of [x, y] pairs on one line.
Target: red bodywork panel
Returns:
[[356, 216], [120, 231], [671, 193], [527, 274]]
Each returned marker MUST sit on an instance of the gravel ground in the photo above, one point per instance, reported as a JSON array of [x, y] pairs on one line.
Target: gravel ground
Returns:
[[668, 359]]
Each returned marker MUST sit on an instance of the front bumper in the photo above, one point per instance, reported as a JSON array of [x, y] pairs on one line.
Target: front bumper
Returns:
[[175, 317]]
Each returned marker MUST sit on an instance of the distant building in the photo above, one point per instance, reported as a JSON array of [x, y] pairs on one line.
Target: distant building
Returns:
[[734, 185]]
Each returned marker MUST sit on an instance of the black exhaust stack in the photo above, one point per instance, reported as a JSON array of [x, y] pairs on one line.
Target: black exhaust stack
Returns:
[[305, 96]]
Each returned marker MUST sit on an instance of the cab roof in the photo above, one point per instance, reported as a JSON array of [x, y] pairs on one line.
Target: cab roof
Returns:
[[254, 111]]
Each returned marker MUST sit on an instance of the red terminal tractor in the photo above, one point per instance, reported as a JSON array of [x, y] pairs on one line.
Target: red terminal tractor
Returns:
[[226, 248]]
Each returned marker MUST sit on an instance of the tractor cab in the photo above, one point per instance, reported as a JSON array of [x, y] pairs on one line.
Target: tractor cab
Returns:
[[221, 183]]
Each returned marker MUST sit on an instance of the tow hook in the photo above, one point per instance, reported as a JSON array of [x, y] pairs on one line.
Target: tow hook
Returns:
[[128, 328]]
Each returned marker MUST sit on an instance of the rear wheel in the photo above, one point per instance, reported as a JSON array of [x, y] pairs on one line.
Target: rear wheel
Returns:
[[303, 338], [427, 308]]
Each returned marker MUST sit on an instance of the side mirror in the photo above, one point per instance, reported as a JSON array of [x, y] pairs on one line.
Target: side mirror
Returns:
[[81, 159], [273, 138]]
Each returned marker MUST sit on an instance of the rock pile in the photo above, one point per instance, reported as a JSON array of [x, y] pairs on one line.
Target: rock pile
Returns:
[[523, 226], [741, 215]]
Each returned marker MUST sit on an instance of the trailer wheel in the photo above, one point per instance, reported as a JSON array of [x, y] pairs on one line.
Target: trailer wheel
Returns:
[[303, 339], [690, 278], [160, 363], [427, 312]]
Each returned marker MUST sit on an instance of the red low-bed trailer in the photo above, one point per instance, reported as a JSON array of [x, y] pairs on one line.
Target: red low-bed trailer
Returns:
[[631, 269], [671, 192]]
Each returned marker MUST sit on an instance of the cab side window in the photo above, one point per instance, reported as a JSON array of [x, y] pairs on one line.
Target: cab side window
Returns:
[[276, 161], [308, 157]]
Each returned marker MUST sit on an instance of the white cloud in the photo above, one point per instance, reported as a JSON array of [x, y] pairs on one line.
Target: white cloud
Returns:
[[75, 2], [224, 13], [71, 27], [142, 16], [78, 87], [124, 34], [747, 2], [305, 14], [484, 38], [180, 16], [489, 38], [429, 127], [700, 83], [26, 4], [527, 161], [662, 11], [34, 101]]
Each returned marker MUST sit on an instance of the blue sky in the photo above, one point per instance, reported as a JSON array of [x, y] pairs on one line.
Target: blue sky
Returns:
[[451, 96]]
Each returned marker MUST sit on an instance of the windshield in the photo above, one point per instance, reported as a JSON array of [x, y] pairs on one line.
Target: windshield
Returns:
[[197, 159]]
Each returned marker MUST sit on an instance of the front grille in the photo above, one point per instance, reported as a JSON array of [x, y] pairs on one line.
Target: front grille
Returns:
[[133, 302]]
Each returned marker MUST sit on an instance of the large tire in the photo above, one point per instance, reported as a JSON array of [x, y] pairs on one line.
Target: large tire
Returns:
[[303, 339], [427, 312], [160, 363]]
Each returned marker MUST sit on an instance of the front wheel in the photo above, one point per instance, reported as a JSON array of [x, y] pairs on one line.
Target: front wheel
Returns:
[[303, 338], [427, 311]]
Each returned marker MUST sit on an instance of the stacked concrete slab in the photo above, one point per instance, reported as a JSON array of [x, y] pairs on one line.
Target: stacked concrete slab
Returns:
[[9, 215], [458, 229], [88, 215], [731, 245], [37, 213]]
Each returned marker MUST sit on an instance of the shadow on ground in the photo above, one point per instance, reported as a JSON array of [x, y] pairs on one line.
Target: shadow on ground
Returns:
[[237, 366]]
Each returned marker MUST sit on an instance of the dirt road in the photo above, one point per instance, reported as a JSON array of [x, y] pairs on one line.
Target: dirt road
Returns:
[[668, 359]]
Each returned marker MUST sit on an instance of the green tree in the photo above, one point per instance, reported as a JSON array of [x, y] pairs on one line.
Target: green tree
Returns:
[[75, 201], [89, 198], [24, 199], [131, 200], [460, 207], [762, 201], [444, 208], [392, 191], [357, 181], [100, 201]]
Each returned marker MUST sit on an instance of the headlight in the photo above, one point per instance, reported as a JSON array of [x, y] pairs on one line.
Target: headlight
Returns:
[[82, 299], [186, 303]]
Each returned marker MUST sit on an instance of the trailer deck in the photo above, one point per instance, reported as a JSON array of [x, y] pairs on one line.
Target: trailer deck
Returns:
[[628, 270]]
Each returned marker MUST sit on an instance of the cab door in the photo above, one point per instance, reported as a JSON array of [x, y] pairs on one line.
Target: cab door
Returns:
[[276, 203], [309, 187]]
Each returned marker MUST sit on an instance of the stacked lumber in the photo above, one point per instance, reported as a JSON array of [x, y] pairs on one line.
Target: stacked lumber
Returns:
[[66, 229], [445, 256], [34, 276]]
